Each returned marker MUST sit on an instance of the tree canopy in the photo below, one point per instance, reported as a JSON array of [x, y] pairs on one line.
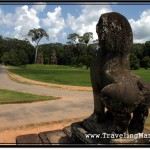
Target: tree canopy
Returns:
[[36, 35], [16, 52], [76, 52]]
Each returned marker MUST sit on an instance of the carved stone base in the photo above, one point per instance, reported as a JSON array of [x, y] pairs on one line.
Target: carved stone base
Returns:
[[80, 133], [89, 132], [55, 137]]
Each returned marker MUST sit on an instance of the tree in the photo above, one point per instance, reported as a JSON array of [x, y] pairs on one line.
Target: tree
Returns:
[[5, 58], [87, 60], [146, 49], [86, 57], [145, 62], [1, 37], [138, 50], [23, 57], [16, 52], [134, 62], [73, 42], [37, 35], [73, 38], [14, 59], [86, 38]]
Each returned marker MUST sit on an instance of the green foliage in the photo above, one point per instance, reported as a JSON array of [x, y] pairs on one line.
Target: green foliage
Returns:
[[87, 61], [68, 54], [79, 47], [86, 37], [141, 55], [36, 35], [14, 60], [138, 50], [6, 58], [16, 52], [73, 38], [134, 62], [145, 63], [76, 52], [147, 49]]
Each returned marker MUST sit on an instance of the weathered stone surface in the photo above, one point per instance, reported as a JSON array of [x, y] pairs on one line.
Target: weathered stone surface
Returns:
[[102, 134], [67, 131], [137, 140], [98, 128], [78, 134], [44, 138], [57, 137], [28, 139], [115, 87]]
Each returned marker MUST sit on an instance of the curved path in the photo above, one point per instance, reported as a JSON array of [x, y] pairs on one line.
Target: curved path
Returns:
[[73, 104]]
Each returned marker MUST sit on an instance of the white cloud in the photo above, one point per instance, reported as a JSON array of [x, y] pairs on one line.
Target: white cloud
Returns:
[[21, 21], [55, 23], [26, 19], [141, 27], [5, 19], [88, 19]]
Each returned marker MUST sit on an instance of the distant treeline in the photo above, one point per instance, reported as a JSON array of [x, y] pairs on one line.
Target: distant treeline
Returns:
[[140, 55], [21, 52], [16, 52], [72, 54]]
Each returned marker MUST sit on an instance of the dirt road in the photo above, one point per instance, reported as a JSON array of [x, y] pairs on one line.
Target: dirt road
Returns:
[[73, 104]]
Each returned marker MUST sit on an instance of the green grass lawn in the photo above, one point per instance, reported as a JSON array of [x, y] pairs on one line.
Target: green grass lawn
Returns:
[[143, 73], [55, 74], [63, 74], [8, 96]]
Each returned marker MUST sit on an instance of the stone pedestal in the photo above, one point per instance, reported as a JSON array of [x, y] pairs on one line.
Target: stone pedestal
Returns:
[[55, 137], [89, 132], [80, 133]]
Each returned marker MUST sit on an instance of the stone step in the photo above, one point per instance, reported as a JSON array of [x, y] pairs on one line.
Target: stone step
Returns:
[[48, 137], [76, 134], [44, 138], [57, 137], [28, 139]]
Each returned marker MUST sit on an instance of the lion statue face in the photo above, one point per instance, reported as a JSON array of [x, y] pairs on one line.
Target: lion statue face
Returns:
[[114, 33]]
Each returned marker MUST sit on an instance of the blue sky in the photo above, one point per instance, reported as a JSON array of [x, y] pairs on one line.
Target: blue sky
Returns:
[[59, 19]]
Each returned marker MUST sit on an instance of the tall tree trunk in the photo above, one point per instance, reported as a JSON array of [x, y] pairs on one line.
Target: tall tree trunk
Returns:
[[36, 50]]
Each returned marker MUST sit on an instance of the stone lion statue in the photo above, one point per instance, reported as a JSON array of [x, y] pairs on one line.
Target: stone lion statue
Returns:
[[115, 87]]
